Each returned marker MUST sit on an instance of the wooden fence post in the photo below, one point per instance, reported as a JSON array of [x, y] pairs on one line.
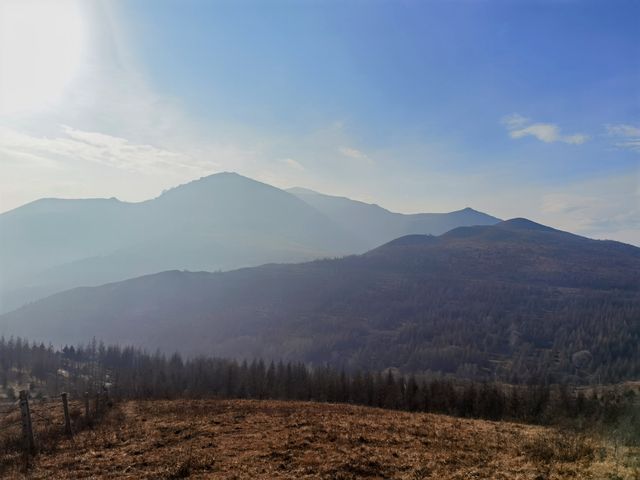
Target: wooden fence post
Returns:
[[27, 430], [67, 418]]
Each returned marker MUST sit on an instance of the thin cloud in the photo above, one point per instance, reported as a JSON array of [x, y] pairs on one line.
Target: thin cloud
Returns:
[[355, 154], [514, 121], [519, 127], [74, 144], [290, 162], [625, 136], [602, 208], [351, 152]]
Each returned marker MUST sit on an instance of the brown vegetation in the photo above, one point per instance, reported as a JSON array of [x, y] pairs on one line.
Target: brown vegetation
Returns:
[[286, 440]]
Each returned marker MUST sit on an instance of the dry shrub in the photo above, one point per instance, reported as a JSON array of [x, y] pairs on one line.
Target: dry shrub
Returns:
[[559, 446]]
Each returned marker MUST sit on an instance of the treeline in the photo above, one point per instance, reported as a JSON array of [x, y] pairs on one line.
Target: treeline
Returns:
[[513, 305], [135, 374]]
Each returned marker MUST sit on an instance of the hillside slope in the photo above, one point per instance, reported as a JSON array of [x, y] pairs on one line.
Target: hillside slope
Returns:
[[217, 439], [512, 300]]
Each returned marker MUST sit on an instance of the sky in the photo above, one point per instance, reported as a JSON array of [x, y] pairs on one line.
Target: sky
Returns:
[[518, 109]]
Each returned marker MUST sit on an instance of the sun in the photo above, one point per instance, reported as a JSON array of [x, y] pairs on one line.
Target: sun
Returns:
[[41, 49]]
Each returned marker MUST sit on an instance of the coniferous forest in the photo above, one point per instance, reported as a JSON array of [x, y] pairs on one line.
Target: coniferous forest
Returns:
[[131, 373]]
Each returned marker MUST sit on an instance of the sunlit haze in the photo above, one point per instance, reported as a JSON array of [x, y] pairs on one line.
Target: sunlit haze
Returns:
[[41, 46]]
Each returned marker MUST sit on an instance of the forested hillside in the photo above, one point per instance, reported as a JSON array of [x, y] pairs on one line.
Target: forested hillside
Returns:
[[516, 301]]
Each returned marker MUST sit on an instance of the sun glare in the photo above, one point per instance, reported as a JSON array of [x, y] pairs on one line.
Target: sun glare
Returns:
[[41, 46]]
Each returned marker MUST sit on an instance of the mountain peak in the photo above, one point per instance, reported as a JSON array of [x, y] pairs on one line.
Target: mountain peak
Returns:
[[501, 230], [220, 176], [221, 180], [302, 191], [466, 210], [520, 223]]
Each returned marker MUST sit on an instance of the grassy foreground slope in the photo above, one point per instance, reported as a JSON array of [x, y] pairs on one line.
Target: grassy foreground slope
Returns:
[[290, 440]]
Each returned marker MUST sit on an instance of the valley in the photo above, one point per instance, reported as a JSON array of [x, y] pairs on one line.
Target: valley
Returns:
[[517, 301]]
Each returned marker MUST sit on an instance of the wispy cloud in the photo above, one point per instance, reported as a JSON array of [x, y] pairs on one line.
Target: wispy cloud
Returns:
[[93, 147], [625, 136], [355, 154], [290, 162], [514, 120], [351, 152], [519, 127], [604, 208]]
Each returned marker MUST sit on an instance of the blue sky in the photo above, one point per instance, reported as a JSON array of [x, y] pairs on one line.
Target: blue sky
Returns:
[[516, 108], [441, 68]]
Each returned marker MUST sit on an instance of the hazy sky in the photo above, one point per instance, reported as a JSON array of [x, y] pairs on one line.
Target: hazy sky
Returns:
[[514, 108]]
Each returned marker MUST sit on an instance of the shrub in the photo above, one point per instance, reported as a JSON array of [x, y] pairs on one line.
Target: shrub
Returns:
[[559, 446]]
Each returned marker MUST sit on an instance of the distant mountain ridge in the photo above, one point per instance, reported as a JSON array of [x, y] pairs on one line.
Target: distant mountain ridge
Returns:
[[220, 222], [375, 225], [511, 300]]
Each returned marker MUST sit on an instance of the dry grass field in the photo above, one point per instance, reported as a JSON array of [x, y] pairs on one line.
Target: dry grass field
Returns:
[[222, 439]]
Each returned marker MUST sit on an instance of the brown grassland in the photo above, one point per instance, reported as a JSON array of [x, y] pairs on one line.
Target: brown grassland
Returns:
[[237, 439]]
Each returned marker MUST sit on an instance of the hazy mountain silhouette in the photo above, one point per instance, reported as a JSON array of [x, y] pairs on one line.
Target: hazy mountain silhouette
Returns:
[[477, 301], [220, 222], [374, 225]]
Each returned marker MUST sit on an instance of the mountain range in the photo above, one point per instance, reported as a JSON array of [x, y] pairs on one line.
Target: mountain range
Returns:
[[220, 222], [514, 300], [373, 225]]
